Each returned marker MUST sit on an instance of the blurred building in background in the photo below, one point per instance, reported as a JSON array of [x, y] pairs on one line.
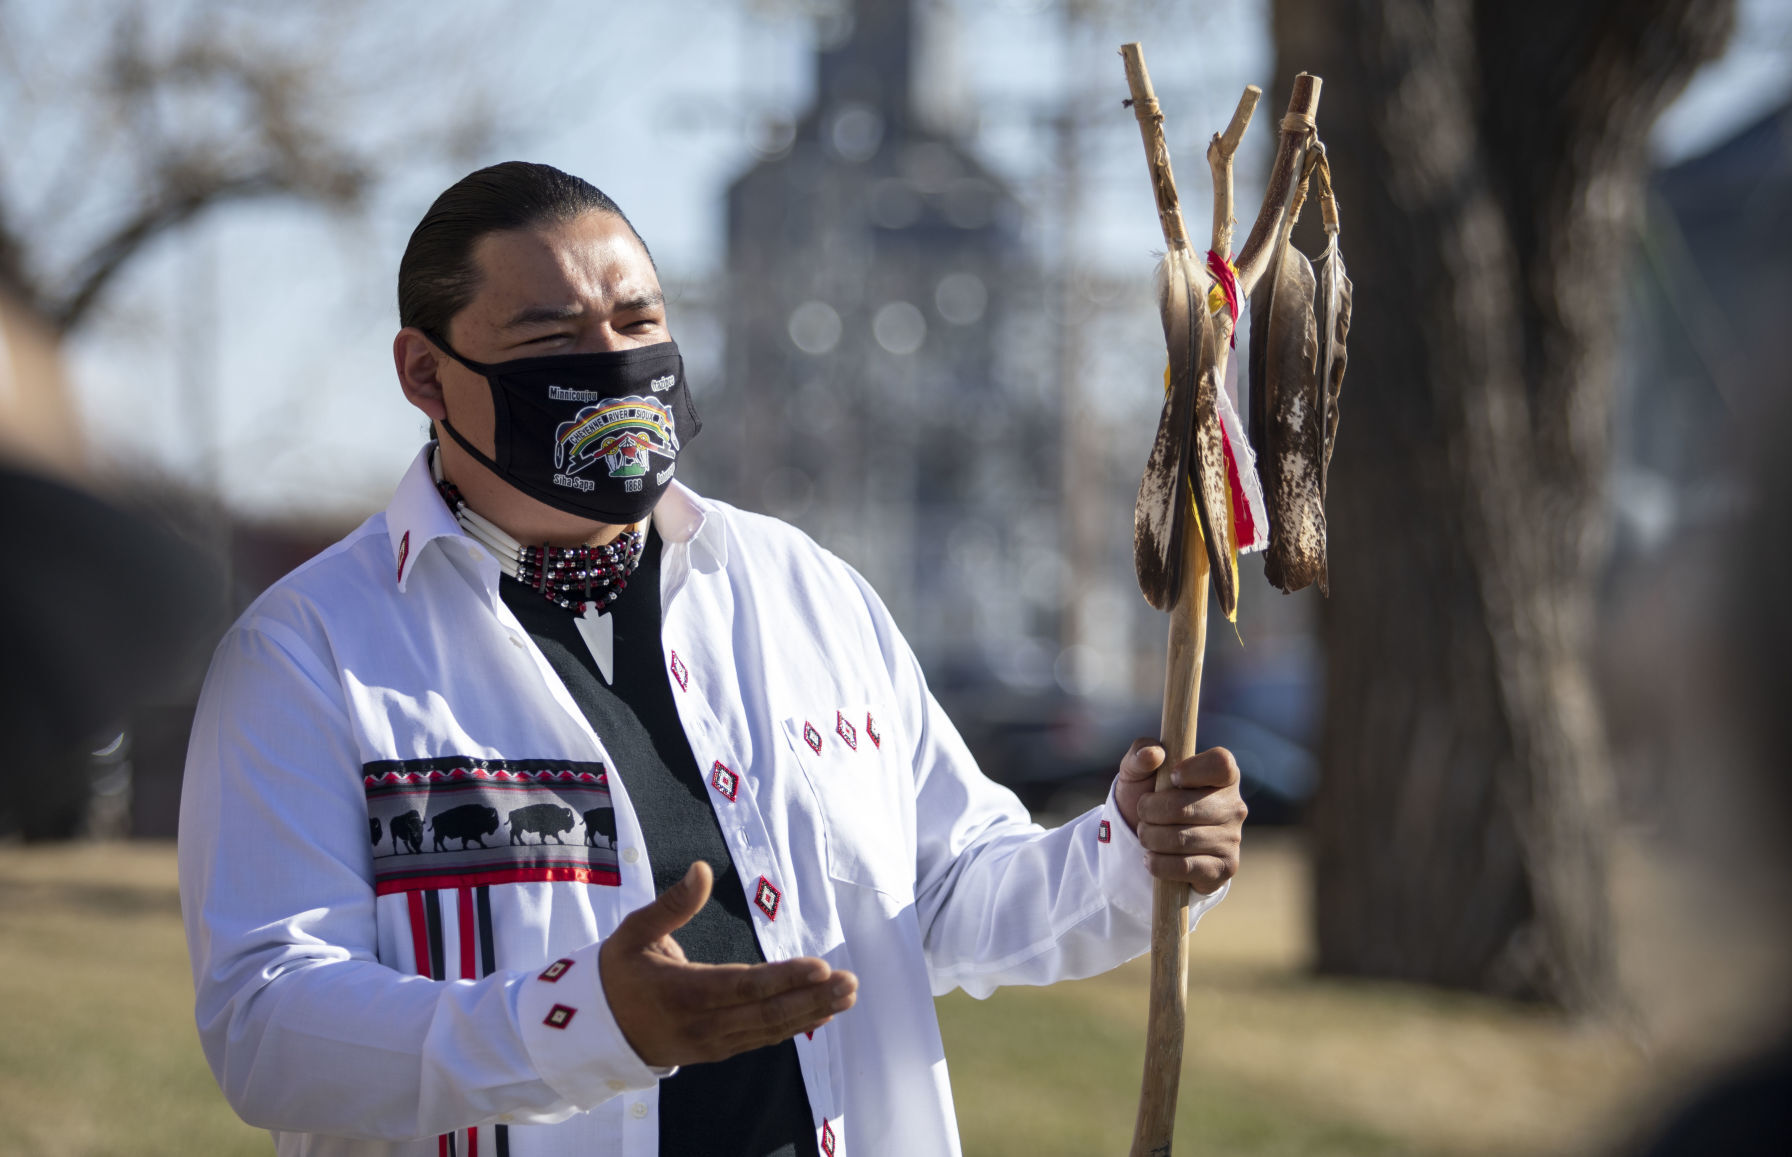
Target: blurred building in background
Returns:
[[884, 389]]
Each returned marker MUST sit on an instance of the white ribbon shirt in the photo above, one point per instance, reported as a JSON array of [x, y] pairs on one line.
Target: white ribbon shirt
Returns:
[[400, 848]]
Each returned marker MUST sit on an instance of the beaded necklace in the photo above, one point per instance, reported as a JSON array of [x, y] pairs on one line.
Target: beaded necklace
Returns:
[[576, 578]]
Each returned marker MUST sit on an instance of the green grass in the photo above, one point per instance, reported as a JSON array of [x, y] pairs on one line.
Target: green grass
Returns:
[[100, 1055], [1046, 1071]]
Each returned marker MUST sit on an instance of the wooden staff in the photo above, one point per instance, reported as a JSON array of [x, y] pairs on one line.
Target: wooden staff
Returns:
[[1164, 1028], [1189, 574]]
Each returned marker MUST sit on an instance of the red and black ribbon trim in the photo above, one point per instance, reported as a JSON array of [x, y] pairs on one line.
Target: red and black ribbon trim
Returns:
[[478, 958]]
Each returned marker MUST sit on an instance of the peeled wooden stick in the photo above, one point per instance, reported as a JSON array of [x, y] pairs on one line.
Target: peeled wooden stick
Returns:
[[1219, 161], [1167, 1012], [1167, 1015]]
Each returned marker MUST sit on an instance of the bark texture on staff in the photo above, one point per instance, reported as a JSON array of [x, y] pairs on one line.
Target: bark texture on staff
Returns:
[[1492, 156], [1157, 152]]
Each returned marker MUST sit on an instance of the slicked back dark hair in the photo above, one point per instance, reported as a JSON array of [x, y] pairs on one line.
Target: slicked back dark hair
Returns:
[[437, 276]]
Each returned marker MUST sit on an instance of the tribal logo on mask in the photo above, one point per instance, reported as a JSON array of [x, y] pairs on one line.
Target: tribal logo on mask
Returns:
[[622, 432]]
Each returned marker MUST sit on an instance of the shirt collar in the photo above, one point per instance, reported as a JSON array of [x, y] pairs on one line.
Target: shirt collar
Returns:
[[417, 516], [684, 516]]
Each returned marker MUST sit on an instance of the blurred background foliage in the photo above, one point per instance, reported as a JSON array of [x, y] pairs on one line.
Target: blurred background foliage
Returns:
[[908, 247]]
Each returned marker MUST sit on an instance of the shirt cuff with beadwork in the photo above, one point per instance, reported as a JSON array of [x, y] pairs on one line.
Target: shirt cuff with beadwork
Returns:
[[573, 1038], [1125, 879]]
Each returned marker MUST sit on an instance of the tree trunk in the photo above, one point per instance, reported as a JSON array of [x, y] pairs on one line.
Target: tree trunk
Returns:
[[1489, 160]]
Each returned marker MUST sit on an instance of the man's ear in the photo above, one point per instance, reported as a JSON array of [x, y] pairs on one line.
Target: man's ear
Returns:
[[419, 366]]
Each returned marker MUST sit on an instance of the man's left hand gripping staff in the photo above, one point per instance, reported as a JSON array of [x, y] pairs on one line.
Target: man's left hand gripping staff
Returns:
[[1192, 831]]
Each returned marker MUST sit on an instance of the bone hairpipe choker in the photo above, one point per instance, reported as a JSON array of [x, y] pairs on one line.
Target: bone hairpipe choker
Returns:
[[576, 578]]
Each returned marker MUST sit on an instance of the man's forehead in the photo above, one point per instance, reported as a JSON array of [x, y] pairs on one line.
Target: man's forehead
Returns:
[[563, 269]]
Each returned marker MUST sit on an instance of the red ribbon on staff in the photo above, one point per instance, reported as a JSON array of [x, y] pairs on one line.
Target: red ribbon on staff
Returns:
[[1227, 279]]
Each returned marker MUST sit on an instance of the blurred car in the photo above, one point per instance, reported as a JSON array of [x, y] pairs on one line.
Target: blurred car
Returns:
[[1059, 752]]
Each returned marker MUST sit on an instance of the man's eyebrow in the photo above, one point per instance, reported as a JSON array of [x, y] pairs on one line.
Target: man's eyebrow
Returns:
[[536, 314], [649, 299]]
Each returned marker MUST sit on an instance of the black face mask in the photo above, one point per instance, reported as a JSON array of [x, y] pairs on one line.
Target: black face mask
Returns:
[[596, 435]]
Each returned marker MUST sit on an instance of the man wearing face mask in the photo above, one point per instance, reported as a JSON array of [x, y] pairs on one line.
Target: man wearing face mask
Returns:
[[559, 810]]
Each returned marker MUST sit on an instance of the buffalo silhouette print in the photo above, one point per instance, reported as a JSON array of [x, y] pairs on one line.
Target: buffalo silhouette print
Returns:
[[544, 819], [406, 829], [469, 823], [600, 821]]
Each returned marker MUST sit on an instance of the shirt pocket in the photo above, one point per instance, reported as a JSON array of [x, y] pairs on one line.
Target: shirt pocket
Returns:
[[865, 813]]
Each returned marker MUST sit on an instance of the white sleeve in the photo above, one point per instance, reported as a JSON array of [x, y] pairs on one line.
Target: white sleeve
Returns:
[[1000, 899], [305, 1030]]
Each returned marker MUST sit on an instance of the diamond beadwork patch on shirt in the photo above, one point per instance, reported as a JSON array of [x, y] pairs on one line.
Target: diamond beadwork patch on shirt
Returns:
[[846, 730], [723, 779], [556, 970], [871, 730], [679, 673], [812, 737], [768, 898], [560, 1016]]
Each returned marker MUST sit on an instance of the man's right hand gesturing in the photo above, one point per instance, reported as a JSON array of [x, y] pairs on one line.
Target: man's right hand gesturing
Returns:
[[674, 1012]]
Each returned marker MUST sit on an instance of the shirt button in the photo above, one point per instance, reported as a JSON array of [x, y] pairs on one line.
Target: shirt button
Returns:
[[616, 1086], [630, 855], [516, 640], [638, 1110]]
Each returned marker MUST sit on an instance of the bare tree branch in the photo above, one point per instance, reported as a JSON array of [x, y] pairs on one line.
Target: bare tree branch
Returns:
[[215, 109]]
